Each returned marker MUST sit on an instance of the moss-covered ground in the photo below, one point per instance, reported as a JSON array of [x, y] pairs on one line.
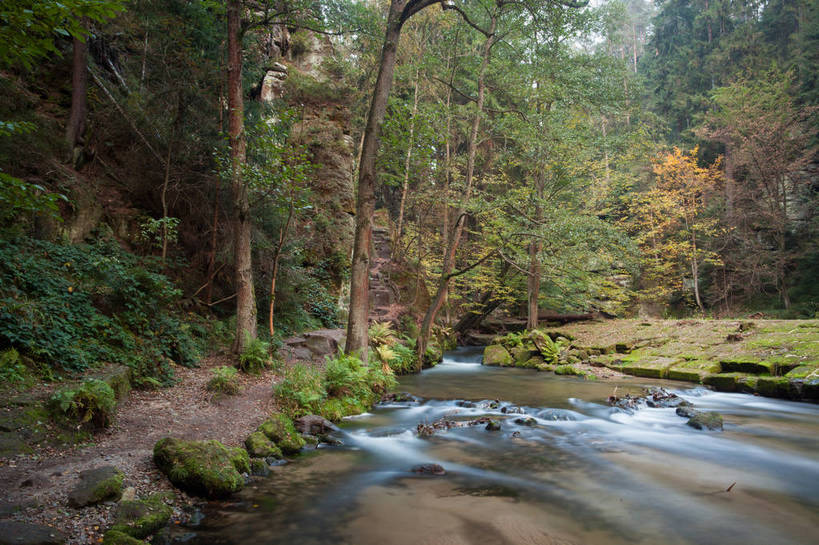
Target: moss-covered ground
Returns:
[[778, 358]]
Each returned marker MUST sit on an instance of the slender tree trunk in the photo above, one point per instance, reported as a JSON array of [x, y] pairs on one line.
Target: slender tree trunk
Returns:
[[533, 278], [454, 241], [245, 296], [360, 271], [164, 199], [212, 257], [282, 237], [79, 102], [407, 160]]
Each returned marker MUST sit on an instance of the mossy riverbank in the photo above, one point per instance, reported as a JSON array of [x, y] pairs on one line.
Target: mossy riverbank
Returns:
[[775, 358]]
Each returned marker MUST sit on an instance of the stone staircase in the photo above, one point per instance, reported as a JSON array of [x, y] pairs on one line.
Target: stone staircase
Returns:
[[383, 295]]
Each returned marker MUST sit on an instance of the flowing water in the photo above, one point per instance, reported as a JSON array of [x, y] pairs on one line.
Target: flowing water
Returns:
[[585, 474]]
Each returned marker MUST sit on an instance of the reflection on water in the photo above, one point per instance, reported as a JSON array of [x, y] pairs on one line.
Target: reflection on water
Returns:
[[584, 474]]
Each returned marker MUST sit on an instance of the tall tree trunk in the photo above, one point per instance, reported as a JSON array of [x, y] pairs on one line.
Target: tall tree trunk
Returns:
[[212, 257], [75, 129], [245, 296], [460, 219], [360, 271], [276, 256], [407, 160]]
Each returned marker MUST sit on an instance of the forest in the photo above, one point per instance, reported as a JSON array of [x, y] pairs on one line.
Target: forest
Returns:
[[232, 230]]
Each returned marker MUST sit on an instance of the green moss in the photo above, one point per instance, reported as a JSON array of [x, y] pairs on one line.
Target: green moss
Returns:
[[142, 518], [279, 429], [97, 485], [722, 382], [497, 355], [652, 367], [776, 387], [803, 371], [240, 459], [204, 468], [532, 363], [745, 364], [116, 537], [706, 421], [259, 446], [522, 354]]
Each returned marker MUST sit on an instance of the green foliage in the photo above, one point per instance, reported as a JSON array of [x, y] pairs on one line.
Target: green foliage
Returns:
[[549, 349], [381, 334], [76, 306], [345, 375], [93, 401], [305, 89], [152, 230], [12, 368], [29, 28], [301, 388], [18, 196], [404, 360], [224, 381], [256, 356]]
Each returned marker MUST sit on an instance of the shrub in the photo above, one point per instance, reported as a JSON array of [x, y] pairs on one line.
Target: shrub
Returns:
[[12, 368], [403, 360], [301, 389], [93, 401], [345, 375], [255, 357], [224, 381]]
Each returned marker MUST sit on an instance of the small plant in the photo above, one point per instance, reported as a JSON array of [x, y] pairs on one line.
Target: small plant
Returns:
[[255, 357], [224, 381], [403, 360], [93, 401], [549, 349], [345, 375], [382, 333], [12, 368]]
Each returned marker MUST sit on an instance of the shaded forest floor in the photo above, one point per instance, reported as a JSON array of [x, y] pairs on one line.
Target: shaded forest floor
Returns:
[[36, 485]]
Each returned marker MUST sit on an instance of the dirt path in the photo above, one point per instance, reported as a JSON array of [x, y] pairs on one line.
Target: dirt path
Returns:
[[40, 482]]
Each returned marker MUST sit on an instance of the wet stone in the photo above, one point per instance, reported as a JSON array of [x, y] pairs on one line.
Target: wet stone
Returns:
[[429, 469], [21, 533]]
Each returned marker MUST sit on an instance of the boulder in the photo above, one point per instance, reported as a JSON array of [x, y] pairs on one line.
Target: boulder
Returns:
[[279, 429], [312, 424], [493, 425], [259, 446], [96, 486], [429, 469], [22, 533], [142, 518], [528, 421], [496, 354], [706, 421], [202, 468], [115, 537]]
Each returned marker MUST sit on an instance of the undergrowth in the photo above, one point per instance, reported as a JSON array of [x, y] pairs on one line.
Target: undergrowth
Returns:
[[73, 307], [224, 381]]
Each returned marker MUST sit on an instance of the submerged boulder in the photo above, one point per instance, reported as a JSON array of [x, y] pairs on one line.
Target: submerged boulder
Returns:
[[280, 429], [496, 354], [202, 468], [96, 486], [429, 469]]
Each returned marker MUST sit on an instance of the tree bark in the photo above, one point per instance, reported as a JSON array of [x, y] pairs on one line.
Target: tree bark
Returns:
[[357, 321], [245, 296], [535, 246], [276, 256], [454, 240], [79, 102], [407, 160]]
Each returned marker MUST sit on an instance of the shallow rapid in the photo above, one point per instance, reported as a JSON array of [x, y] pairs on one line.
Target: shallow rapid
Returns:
[[584, 473]]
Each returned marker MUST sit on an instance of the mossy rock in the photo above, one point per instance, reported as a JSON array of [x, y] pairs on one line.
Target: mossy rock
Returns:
[[259, 446], [692, 369], [747, 385], [532, 363], [115, 537], [706, 421], [96, 486], [653, 367], [202, 468], [722, 382], [142, 518], [522, 354], [804, 372], [745, 365], [497, 355], [777, 387], [567, 370], [259, 467], [118, 377], [279, 429]]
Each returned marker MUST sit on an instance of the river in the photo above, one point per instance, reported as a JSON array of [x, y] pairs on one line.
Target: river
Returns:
[[585, 474]]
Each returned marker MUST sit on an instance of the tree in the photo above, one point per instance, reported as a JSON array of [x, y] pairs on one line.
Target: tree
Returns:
[[399, 12], [674, 227], [769, 137]]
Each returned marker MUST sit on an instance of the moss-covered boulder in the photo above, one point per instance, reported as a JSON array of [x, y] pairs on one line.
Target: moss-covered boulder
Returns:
[[202, 468], [96, 486], [280, 429], [142, 518], [496, 354], [259, 446], [705, 421], [115, 537]]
